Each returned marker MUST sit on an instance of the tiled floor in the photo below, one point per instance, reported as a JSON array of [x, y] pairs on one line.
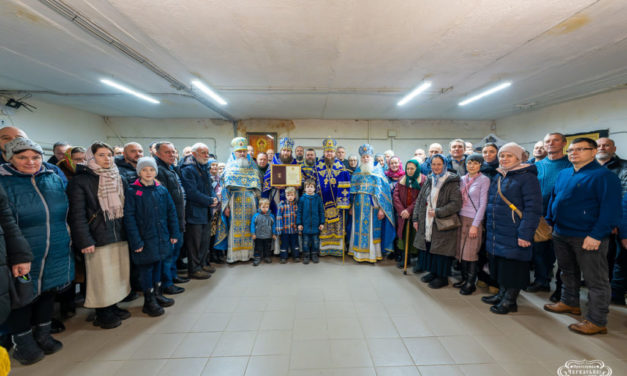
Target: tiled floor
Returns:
[[330, 319]]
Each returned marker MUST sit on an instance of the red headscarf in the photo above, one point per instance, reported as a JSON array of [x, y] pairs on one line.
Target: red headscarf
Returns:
[[399, 173]]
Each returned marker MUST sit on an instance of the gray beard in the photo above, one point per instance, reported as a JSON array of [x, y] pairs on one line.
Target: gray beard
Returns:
[[367, 167], [603, 156], [243, 163]]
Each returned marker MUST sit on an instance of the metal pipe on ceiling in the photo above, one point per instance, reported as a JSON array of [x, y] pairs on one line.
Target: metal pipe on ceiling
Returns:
[[95, 30]]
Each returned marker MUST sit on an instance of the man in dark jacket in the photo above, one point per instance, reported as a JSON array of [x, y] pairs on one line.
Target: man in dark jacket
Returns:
[[617, 254], [584, 208], [128, 161], [168, 176], [200, 197], [58, 152], [9, 134]]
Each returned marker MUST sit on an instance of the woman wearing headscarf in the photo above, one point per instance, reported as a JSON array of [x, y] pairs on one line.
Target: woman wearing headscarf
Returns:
[[395, 171], [72, 157], [404, 197], [474, 187], [513, 214], [439, 198], [36, 196], [96, 195]]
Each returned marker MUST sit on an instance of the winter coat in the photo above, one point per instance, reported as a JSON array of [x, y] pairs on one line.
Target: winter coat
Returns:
[[619, 167], [87, 220], [449, 203], [262, 225], [198, 190], [503, 226], [40, 208], [310, 213], [169, 177], [404, 198], [150, 221], [14, 249], [127, 171], [489, 169]]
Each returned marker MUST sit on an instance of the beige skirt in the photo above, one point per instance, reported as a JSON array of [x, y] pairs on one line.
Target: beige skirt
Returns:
[[107, 275], [468, 249]]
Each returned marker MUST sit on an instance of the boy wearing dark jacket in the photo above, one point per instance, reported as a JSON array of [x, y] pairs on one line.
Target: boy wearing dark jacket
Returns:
[[310, 221], [262, 228], [152, 227]]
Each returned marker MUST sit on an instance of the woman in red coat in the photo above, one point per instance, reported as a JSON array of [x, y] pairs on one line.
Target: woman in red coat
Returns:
[[404, 197]]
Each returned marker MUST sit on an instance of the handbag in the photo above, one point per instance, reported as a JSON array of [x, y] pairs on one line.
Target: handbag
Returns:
[[543, 233], [448, 223], [21, 291]]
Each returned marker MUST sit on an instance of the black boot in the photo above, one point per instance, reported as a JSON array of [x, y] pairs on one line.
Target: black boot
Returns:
[[414, 265], [106, 318], [428, 278], [256, 261], [400, 260], [26, 351], [162, 300], [45, 341], [464, 270], [306, 257], [438, 282], [315, 257], [508, 303], [493, 299], [469, 287], [151, 307]]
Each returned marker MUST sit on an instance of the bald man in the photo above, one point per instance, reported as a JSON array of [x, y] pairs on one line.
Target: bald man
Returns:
[[127, 162], [9, 134]]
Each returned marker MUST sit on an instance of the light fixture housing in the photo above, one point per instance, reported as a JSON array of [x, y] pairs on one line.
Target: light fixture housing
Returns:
[[485, 93], [209, 92], [422, 87], [128, 90]]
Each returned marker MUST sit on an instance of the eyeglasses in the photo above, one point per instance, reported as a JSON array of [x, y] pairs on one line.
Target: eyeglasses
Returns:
[[578, 150]]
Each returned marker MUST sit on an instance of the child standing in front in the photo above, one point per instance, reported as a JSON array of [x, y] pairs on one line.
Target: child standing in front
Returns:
[[152, 228], [286, 226], [310, 220], [262, 228]]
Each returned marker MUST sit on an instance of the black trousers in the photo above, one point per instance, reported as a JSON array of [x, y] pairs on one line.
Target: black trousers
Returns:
[[38, 312], [196, 245]]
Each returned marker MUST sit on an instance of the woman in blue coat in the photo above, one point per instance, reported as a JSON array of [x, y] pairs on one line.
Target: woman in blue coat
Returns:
[[37, 200], [152, 228], [512, 216]]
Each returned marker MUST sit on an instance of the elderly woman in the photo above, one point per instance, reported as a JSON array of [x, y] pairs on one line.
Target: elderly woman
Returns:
[[394, 172], [513, 214], [73, 156], [96, 195], [353, 162], [439, 201], [37, 197], [404, 198], [474, 188]]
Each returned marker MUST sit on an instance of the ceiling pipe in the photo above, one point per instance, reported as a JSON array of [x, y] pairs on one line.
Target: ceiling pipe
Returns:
[[95, 30]]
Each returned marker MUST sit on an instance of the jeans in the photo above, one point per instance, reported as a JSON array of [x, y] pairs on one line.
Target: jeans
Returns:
[[289, 241], [38, 312], [543, 261], [168, 265], [574, 260], [311, 244], [149, 275]]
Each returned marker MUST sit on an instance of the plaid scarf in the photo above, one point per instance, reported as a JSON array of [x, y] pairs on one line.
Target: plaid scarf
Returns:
[[110, 188]]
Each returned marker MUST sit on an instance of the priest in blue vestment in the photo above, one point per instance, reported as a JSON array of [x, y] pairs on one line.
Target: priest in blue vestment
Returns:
[[372, 230]]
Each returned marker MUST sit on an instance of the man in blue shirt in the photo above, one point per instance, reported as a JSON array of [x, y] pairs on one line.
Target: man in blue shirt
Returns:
[[584, 208], [543, 253]]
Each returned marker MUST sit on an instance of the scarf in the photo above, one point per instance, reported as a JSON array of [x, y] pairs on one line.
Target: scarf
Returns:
[[437, 181], [68, 162], [110, 187], [517, 166], [414, 180], [395, 175]]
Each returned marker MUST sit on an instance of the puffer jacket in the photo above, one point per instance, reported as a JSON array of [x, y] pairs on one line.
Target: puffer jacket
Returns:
[[449, 203], [150, 221], [310, 213], [503, 226], [40, 208], [169, 177], [86, 218], [14, 249]]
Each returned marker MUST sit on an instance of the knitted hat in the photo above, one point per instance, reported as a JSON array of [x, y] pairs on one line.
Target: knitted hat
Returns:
[[513, 148], [145, 162], [21, 144]]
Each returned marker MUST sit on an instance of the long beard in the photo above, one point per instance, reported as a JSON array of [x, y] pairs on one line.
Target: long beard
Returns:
[[243, 162], [367, 167], [286, 160], [329, 161]]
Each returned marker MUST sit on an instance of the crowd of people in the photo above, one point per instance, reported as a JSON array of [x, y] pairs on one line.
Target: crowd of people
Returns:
[[97, 225]]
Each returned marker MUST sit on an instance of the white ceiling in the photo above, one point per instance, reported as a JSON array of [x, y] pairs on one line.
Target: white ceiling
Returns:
[[329, 59]]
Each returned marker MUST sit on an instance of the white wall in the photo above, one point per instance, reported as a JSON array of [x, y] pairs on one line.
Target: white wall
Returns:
[[602, 111], [50, 123]]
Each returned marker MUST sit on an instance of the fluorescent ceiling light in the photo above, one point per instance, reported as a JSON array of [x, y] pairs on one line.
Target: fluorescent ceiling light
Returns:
[[424, 86], [205, 89], [129, 91], [493, 90]]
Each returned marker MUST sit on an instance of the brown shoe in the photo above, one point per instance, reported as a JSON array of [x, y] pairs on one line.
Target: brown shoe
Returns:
[[199, 274], [587, 328], [560, 307], [208, 268]]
